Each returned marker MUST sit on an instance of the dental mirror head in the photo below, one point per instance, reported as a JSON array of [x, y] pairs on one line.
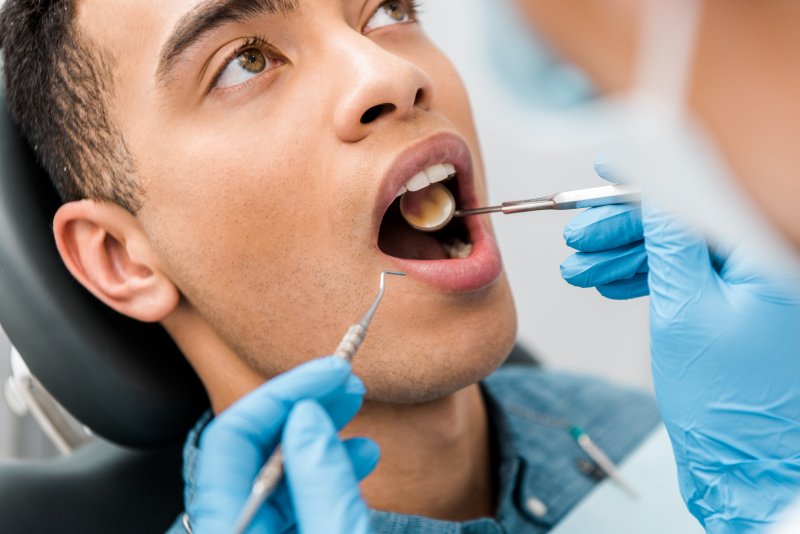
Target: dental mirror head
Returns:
[[429, 209]]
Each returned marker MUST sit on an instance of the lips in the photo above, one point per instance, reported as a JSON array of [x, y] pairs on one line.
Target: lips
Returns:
[[483, 265]]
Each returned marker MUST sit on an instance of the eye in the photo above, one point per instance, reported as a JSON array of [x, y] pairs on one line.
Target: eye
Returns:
[[248, 62], [389, 13]]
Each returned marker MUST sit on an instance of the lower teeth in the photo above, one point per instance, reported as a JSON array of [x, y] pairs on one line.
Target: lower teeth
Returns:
[[458, 250]]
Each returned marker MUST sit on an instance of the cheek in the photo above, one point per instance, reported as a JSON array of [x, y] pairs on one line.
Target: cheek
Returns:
[[452, 100], [251, 239], [231, 210]]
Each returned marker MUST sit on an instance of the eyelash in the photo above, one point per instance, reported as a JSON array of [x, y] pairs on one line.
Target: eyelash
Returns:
[[254, 41], [414, 7], [261, 42]]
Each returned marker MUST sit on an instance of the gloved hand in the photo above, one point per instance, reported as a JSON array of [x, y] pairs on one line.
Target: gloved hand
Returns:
[[320, 492], [725, 343]]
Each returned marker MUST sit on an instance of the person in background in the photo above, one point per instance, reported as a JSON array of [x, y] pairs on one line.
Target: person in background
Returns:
[[724, 338]]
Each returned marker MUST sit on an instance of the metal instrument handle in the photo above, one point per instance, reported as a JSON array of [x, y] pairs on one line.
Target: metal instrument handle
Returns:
[[581, 198], [349, 344]]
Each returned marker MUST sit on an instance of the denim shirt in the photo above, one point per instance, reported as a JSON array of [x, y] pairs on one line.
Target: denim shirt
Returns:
[[541, 472]]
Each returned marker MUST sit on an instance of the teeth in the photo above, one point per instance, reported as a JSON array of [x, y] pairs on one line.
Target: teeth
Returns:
[[437, 173], [418, 182], [458, 250], [431, 175]]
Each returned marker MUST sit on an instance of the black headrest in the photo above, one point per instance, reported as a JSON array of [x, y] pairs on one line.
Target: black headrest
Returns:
[[125, 380]]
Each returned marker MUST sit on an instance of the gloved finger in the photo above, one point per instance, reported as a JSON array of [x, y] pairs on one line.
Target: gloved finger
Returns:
[[679, 261], [364, 454], [257, 417], [626, 289], [592, 269], [606, 170], [605, 227], [342, 407], [236, 444], [321, 477], [278, 515]]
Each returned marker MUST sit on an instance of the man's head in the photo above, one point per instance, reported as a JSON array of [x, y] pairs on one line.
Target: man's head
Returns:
[[261, 145]]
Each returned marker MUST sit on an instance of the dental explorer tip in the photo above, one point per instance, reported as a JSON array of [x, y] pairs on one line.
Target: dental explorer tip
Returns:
[[372, 309], [392, 273]]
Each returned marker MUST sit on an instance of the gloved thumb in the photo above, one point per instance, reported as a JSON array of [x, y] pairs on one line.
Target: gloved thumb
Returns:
[[321, 476], [606, 170], [678, 257]]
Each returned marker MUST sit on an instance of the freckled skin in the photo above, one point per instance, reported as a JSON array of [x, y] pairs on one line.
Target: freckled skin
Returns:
[[258, 203]]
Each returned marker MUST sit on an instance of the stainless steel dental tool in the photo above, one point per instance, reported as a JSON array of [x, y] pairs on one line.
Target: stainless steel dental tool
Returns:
[[271, 473], [567, 200]]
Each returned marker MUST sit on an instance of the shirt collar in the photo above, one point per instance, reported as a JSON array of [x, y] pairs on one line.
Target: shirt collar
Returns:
[[536, 460]]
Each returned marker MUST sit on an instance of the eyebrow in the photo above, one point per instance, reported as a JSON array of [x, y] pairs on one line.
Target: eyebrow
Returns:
[[209, 16]]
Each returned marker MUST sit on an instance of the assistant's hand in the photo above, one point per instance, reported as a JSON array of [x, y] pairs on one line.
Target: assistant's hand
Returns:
[[320, 492], [725, 343]]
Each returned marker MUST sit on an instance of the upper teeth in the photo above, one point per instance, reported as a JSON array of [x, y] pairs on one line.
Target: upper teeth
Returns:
[[431, 175]]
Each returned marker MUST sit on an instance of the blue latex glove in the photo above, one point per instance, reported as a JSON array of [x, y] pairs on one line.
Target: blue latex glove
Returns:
[[725, 343], [320, 492]]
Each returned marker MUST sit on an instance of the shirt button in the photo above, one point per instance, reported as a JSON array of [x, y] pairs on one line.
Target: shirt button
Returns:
[[536, 507]]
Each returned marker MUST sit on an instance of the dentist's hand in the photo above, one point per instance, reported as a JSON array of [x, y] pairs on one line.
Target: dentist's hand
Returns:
[[725, 343], [320, 492]]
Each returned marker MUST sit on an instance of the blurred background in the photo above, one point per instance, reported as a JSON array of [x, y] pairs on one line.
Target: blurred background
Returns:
[[511, 77]]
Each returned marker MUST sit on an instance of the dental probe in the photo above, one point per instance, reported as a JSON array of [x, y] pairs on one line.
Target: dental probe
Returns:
[[431, 209], [567, 200], [271, 473]]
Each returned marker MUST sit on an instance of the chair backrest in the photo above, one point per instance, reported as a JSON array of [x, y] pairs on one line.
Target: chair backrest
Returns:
[[100, 488], [125, 380]]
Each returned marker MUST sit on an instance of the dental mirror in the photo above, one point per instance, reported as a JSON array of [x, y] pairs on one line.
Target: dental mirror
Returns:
[[429, 209], [432, 208]]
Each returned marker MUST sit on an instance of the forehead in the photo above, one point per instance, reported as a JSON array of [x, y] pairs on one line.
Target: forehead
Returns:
[[131, 28], [146, 24]]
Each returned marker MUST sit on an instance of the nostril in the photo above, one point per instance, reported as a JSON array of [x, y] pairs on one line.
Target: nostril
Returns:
[[373, 113], [419, 97]]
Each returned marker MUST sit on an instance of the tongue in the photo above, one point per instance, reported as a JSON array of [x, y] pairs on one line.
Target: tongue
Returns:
[[398, 239]]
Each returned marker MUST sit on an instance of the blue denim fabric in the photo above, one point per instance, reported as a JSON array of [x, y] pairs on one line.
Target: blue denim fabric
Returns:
[[541, 471]]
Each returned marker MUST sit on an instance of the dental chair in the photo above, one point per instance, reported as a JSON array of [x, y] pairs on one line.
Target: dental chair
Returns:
[[127, 382]]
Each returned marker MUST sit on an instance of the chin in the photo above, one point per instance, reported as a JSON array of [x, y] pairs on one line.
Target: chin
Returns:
[[417, 371]]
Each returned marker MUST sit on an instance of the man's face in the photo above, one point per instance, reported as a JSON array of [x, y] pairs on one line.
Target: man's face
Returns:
[[270, 144]]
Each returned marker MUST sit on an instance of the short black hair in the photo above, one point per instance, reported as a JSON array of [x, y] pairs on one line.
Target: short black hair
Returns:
[[58, 88]]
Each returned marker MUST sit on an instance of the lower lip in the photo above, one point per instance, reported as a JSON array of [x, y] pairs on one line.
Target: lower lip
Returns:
[[481, 269]]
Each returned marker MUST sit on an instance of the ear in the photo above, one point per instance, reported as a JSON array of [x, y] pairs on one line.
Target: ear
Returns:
[[106, 250]]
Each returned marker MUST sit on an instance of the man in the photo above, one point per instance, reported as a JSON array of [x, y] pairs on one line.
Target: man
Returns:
[[230, 169]]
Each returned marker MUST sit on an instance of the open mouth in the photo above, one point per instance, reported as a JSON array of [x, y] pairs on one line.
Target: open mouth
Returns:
[[399, 239], [461, 257]]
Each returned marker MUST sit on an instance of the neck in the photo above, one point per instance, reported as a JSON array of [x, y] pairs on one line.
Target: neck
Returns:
[[435, 457]]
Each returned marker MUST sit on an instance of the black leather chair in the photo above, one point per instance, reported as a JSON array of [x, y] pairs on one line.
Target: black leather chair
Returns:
[[126, 381]]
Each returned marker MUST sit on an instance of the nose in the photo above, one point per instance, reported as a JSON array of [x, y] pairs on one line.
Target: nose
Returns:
[[378, 86]]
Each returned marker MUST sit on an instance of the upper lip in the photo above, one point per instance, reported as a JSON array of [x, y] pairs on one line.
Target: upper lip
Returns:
[[442, 147]]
